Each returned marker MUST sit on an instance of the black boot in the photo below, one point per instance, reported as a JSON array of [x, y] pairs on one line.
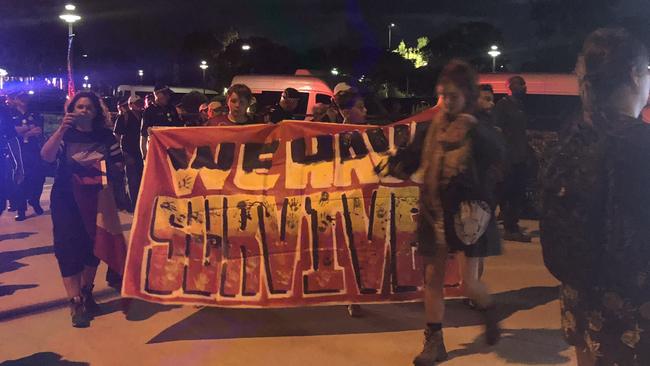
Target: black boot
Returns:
[[20, 216], [80, 318], [492, 329], [89, 301], [434, 349]]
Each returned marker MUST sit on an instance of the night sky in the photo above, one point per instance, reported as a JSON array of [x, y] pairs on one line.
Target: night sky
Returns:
[[30, 29]]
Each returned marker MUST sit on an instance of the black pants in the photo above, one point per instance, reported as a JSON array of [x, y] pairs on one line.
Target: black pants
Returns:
[[7, 186], [30, 190], [514, 195], [134, 167]]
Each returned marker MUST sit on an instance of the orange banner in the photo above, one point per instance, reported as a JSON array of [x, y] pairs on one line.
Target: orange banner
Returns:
[[275, 216]]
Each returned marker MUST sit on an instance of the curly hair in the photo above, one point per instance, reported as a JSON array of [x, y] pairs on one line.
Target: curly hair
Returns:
[[101, 120]]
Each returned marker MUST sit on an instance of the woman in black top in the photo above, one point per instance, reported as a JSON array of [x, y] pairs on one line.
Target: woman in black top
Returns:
[[595, 227], [88, 157]]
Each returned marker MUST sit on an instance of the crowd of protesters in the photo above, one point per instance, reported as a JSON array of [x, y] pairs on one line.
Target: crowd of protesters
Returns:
[[472, 162]]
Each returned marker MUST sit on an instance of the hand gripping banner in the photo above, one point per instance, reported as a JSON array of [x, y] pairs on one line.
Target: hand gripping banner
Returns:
[[275, 216]]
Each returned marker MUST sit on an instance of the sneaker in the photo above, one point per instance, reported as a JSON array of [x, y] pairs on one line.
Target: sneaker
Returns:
[[516, 236], [20, 216], [492, 329], [78, 314], [89, 301], [434, 349], [355, 311]]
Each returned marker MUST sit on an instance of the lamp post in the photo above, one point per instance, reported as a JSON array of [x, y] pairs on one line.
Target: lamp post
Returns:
[[3, 73], [141, 75], [204, 66], [494, 52], [70, 17], [390, 34]]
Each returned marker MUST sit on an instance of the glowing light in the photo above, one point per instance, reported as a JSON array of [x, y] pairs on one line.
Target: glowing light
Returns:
[[3, 73], [86, 78], [31, 92], [140, 72], [335, 71], [70, 7], [70, 18], [246, 47], [204, 65], [392, 25]]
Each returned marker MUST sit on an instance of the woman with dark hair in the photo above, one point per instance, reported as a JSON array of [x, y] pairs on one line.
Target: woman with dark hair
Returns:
[[88, 157], [595, 227], [238, 99], [457, 203]]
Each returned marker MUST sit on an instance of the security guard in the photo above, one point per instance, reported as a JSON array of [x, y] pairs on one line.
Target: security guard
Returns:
[[285, 108], [29, 128], [159, 114], [11, 162]]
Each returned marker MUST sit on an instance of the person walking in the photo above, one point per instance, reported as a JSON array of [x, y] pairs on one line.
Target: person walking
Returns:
[[29, 128], [457, 203], [127, 132], [595, 228], [88, 157], [511, 117]]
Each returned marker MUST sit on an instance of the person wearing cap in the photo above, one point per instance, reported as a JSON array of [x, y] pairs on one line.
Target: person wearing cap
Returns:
[[284, 109], [351, 106], [127, 132], [29, 128], [161, 113]]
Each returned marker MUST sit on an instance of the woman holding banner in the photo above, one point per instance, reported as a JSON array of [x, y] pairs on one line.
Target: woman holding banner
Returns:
[[87, 154], [457, 203]]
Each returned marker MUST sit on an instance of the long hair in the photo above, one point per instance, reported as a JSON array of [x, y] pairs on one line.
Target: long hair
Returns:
[[101, 120], [608, 58], [464, 77]]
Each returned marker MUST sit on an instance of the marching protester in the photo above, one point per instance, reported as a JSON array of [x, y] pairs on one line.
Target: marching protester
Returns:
[[238, 99], [88, 155], [161, 113], [215, 108], [203, 110], [127, 132], [29, 127], [284, 109], [510, 116], [351, 106], [596, 207], [11, 163], [457, 203]]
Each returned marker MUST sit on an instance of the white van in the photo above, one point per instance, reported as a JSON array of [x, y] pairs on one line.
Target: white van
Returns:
[[267, 90], [125, 91]]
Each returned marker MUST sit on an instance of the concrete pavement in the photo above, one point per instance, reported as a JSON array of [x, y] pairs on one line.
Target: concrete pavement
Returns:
[[35, 325]]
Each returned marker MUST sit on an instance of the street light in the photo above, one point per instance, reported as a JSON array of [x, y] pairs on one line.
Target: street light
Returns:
[[494, 52], [246, 47], [390, 34], [141, 75], [70, 17], [335, 71], [3, 73], [204, 66]]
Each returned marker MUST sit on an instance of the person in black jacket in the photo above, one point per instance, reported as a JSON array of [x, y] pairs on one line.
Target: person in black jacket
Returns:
[[595, 230], [159, 114]]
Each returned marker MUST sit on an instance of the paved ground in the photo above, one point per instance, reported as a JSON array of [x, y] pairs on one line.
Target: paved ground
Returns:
[[35, 331]]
